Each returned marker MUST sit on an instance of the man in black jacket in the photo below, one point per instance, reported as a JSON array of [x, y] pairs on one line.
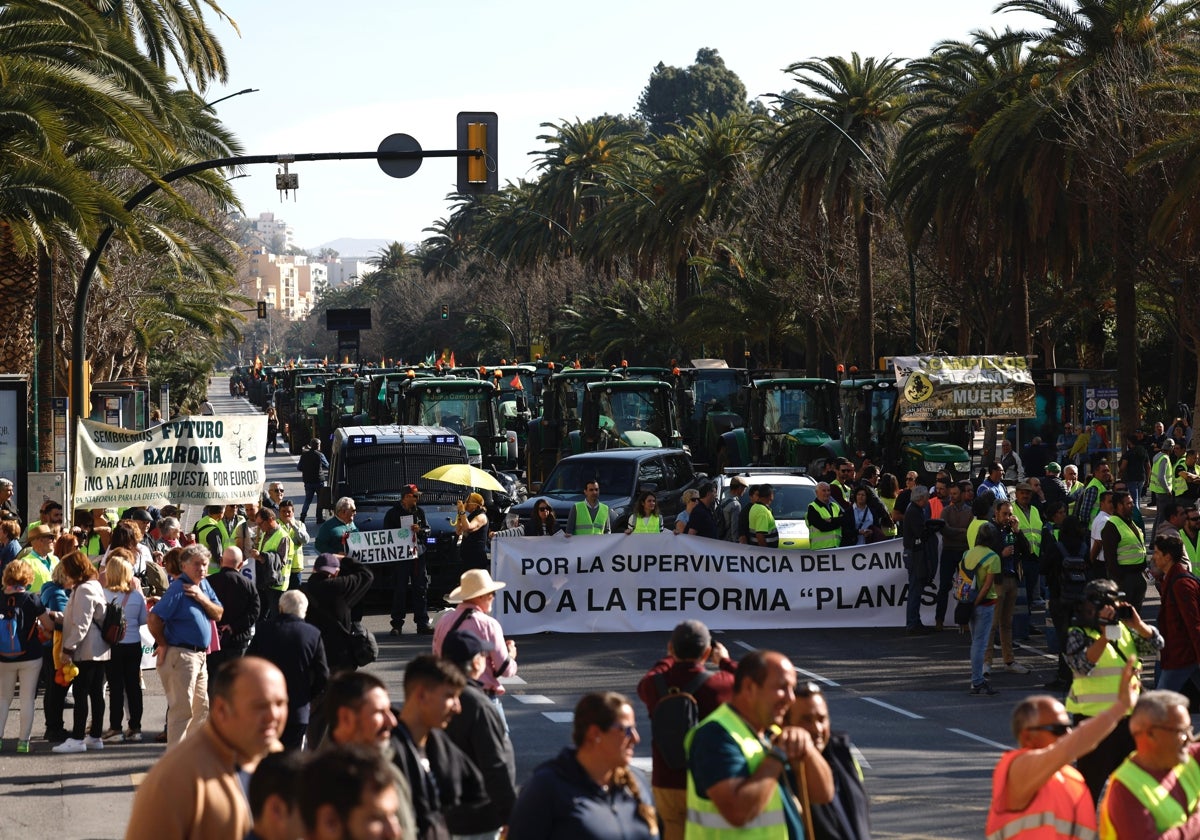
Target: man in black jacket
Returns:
[[296, 648], [440, 775], [334, 589], [847, 817], [313, 466], [241, 603], [410, 571], [480, 732]]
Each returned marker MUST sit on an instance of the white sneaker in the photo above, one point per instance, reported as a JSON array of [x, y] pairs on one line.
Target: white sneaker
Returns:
[[71, 745], [90, 743], [1016, 668]]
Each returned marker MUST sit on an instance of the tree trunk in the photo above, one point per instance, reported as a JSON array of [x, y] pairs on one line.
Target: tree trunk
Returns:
[[47, 366], [866, 297]]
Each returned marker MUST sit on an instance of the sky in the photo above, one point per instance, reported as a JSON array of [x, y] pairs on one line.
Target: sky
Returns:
[[340, 77]]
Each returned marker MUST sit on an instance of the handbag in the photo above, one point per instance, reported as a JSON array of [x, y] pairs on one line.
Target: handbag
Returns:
[[963, 611], [364, 649]]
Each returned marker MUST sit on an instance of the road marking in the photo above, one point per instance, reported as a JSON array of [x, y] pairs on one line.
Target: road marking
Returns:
[[560, 717], [507, 681], [532, 699], [750, 648], [980, 739], [895, 709], [818, 678], [1035, 651]]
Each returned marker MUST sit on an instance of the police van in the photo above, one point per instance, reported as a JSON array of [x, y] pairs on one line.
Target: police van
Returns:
[[371, 465]]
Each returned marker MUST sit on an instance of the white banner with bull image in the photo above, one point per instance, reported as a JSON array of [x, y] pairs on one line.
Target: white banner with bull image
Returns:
[[206, 460], [618, 584]]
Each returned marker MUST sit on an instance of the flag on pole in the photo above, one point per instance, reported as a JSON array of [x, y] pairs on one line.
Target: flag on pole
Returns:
[[516, 382]]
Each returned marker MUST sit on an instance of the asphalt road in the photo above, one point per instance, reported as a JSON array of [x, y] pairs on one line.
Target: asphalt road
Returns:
[[926, 747]]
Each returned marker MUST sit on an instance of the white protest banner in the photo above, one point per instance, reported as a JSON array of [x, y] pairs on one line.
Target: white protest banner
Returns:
[[616, 584], [963, 387], [382, 546], [210, 460]]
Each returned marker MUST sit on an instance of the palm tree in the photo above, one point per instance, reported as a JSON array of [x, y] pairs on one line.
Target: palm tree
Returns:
[[832, 150]]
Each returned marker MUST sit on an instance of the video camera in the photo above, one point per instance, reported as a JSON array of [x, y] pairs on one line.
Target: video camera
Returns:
[[1100, 594]]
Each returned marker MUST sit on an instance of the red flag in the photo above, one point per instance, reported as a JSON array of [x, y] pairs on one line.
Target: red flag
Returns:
[[516, 382], [452, 362]]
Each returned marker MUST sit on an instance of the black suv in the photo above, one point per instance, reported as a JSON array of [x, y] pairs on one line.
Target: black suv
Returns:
[[622, 474]]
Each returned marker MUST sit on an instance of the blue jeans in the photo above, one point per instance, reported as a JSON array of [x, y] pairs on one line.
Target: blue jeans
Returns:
[[1174, 679], [981, 637]]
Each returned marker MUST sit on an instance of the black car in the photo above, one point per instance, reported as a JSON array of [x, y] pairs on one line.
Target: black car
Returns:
[[622, 474]]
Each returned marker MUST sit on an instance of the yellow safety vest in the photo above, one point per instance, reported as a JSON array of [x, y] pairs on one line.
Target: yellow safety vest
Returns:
[[297, 549], [227, 536], [704, 820], [1031, 527], [1165, 809], [827, 537], [889, 527], [1178, 483], [203, 528], [1191, 547], [1131, 550], [643, 524], [1100, 488], [584, 524], [1092, 694], [1159, 482], [270, 544], [973, 531]]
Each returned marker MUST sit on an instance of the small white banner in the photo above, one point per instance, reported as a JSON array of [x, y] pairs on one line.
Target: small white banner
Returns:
[[193, 460], [618, 583], [383, 546]]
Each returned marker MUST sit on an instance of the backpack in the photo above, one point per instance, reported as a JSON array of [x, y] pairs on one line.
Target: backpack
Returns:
[[723, 518], [12, 641], [963, 584], [675, 714], [112, 626]]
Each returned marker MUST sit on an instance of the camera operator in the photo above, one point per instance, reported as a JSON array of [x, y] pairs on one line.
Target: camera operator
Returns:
[[1106, 632]]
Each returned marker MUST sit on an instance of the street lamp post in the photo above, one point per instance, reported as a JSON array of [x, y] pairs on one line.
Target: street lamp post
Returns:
[[912, 266], [230, 96]]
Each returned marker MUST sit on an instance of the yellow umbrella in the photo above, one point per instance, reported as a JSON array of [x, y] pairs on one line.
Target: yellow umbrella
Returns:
[[464, 475]]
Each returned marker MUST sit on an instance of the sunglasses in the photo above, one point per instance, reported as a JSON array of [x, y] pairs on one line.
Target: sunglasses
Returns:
[[630, 731], [1056, 729], [543, 510]]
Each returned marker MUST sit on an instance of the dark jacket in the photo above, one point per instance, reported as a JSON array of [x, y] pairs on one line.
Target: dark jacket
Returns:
[[296, 648], [396, 514], [478, 730], [240, 600], [330, 600], [854, 820], [312, 464], [702, 521], [457, 782], [562, 802]]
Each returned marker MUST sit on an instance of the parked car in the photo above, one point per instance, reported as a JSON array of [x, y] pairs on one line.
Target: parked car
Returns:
[[794, 490], [623, 474]]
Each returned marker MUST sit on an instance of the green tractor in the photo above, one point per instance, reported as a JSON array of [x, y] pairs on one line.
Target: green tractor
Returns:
[[563, 396], [792, 422], [874, 432], [465, 406]]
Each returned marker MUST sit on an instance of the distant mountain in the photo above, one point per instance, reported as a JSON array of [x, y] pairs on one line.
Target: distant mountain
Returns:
[[351, 247]]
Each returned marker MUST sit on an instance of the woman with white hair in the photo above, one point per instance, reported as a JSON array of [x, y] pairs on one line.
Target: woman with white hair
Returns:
[[296, 648]]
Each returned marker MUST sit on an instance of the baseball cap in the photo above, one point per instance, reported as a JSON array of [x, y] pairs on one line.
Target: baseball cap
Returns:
[[737, 481], [327, 563], [460, 647], [410, 488], [1053, 467], [690, 639]]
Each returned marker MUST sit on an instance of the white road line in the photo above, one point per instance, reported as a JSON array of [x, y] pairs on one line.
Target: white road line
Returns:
[[1051, 656], [746, 646], [980, 739], [506, 681], [532, 699], [559, 717], [895, 709], [818, 678]]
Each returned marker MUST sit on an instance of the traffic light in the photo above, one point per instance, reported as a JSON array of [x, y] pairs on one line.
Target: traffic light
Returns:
[[478, 130], [262, 309], [445, 312]]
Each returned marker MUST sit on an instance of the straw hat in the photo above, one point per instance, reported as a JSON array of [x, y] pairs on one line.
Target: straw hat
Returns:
[[473, 584]]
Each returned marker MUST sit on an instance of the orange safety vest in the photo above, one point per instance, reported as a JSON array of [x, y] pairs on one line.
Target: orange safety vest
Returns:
[[1063, 808]]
